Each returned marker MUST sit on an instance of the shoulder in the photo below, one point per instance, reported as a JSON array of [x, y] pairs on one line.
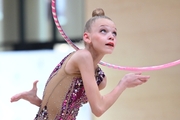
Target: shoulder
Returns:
[[80, 59], [83, 53], [82, 56]]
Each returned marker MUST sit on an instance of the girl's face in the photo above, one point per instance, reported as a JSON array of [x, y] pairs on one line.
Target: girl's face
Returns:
[[103, 35]]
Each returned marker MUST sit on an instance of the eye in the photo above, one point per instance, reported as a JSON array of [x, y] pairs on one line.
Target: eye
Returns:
[[103, 31], [115, 33]]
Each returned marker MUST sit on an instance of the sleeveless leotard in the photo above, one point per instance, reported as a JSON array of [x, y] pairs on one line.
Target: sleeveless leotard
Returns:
[[64, 93]]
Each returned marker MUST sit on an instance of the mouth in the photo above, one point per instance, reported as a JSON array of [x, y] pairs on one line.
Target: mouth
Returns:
[[111, 44]]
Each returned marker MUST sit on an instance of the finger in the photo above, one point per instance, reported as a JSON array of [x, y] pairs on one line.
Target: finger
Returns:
[[138, 73], [143, 76], [139, 82], [143, 80]]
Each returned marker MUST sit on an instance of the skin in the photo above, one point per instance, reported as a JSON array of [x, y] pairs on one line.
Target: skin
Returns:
[[103, 32]]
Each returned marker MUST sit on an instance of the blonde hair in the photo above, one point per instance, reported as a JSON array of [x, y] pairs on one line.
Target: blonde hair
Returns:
[[96, 14]]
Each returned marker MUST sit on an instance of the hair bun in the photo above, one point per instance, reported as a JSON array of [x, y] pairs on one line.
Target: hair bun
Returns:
[[98, 12]]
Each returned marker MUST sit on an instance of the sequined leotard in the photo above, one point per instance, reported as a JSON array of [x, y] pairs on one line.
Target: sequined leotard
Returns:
[[64, 94]]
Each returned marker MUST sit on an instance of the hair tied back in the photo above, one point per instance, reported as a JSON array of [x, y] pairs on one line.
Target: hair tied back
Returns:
[[98, 12]]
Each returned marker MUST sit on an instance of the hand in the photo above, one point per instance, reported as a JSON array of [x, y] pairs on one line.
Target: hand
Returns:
[[30, 96], [134, 79]]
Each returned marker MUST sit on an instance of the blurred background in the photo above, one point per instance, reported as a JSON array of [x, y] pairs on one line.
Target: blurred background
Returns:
[[148, 35], [28, 25]]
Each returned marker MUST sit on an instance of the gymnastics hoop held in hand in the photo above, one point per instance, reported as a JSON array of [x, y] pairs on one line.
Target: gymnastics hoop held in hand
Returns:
[[66, 38]]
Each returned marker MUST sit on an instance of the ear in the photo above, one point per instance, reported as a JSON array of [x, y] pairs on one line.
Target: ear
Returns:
[[86, 37]]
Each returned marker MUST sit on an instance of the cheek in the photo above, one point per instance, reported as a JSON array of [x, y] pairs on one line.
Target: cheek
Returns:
[[97, 42], [100, 38]]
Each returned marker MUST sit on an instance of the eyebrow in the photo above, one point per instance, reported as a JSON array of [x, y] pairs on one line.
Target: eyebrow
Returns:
[[106, 26]]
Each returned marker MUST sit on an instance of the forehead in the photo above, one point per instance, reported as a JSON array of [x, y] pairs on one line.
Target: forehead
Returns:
[[104, 22]]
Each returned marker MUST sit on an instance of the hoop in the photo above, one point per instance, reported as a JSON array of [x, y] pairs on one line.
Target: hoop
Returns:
[[66, 38]]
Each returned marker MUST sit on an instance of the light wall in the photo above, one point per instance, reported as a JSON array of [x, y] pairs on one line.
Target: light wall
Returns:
[[148, 35]]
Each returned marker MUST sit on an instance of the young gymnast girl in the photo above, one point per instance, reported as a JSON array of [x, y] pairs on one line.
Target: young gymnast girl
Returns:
[[77, 79]]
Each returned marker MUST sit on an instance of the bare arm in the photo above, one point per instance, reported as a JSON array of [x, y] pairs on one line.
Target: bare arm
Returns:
[[99, 104], [30, 96]]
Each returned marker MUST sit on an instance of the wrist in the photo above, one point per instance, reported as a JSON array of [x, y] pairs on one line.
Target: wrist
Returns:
[[122, 85]]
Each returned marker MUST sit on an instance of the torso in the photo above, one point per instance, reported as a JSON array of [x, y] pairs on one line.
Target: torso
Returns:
[[64, 93]]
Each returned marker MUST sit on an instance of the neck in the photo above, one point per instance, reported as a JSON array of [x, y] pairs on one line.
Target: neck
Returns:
[[97, 56]]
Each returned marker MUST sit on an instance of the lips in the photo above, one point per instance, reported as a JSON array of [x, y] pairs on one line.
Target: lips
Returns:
[[111, 44]]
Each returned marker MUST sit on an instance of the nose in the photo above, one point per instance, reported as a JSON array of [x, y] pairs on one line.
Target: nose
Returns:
[[111, 37]]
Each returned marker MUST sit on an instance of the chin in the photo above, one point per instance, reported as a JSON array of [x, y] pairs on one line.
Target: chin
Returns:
[[109, 52]]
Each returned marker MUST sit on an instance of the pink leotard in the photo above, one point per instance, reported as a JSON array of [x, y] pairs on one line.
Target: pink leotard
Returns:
[[64, 93]]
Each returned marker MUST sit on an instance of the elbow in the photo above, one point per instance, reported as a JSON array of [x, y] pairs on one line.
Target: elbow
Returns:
[[97, 112]]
